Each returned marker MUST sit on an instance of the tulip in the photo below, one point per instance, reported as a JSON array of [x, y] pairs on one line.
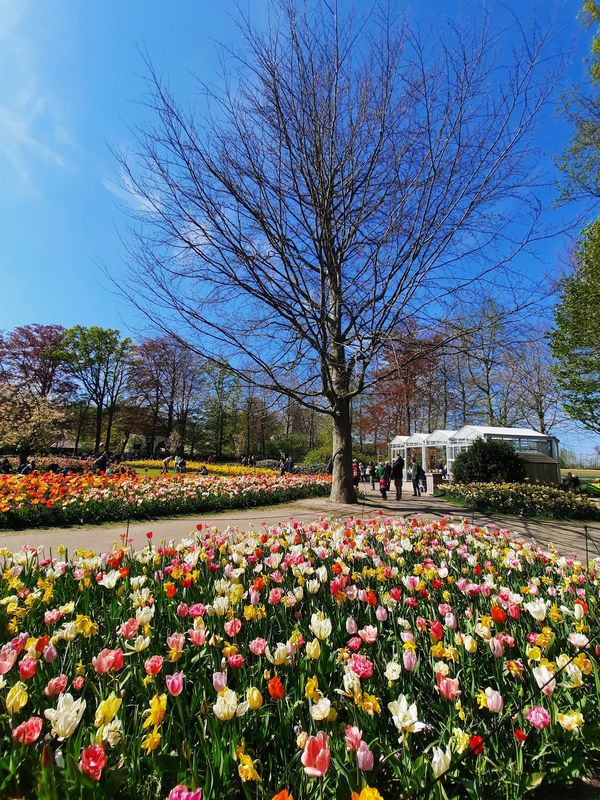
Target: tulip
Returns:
[[276, 688], [8, 656], [219, 681], [351, 626], [440, 761], [313, 649], [316, 755], [448, 688], [197, 636], [226, 706], [56, 686], [153, 665], [174, 683], [49, 654], [93, 761], [353, 737], [539, 717], [404, 716], [494, 700], [364, 757], [409, 659], [321, 626], [17, 698], [27, 667], [254, 698], [66, 716], [29, 731], [181, 792]]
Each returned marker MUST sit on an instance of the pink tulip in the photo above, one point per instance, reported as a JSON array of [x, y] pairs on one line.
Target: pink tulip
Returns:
[[353, 737], [448, 688], [233, 627], [495, 703], [181, 792], [129, 629], [381, 613], [364, 757], [539, 717], [108, 661], [49, 653], [56, 686], [27, 667], [368, 634], [29, 731], [8, 656], [174, 683], [219, 680], [351, 626], [316, 755], [496, 647], [176, 641], [361, 666], [197, 610], [258, 646], [450, 620], [153, 665], [182, 610], [197, 636], [409, 660], [78, 683]]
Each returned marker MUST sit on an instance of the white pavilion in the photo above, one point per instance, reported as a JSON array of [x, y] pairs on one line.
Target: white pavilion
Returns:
[[442, 446]]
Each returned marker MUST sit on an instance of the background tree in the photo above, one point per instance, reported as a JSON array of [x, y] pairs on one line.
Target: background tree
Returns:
[[580, 161], [98, 358], [575, 338], [348, 178]]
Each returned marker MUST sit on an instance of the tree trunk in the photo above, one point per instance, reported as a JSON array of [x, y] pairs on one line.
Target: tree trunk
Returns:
[[109, 424], [98, 428], [342, 488]]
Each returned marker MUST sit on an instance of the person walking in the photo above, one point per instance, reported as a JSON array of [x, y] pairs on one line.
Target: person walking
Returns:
[[384, 485], [355, 473], [372, 473], [398, 476], [415, 477]]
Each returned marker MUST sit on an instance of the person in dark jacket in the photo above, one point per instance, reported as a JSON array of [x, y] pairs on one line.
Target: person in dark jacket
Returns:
[[417, 474], [398, 476]]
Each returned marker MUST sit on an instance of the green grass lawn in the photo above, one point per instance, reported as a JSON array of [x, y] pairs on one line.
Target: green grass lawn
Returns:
[[581, 473]]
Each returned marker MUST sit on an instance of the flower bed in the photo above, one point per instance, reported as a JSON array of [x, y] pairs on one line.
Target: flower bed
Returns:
[[523, 499], [379, 659], [196, 466], [47, 499]]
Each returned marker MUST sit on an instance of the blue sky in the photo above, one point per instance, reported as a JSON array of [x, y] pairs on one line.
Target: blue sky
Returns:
[[71, 85]]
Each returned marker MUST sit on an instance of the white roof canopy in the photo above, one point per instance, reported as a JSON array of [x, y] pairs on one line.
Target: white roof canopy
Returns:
[[439, 438], [470, 432], [398, 440], [416, 440]]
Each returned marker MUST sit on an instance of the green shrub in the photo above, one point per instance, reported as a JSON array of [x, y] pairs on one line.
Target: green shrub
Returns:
[[488, 461]]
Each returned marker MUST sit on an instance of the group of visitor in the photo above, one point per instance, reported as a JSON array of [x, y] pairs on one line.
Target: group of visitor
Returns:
[[384, 473], [179, 464], [248, 461], [286, 464]]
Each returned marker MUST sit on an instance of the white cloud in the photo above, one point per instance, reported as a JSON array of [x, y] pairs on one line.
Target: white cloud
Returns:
[[31, 132]]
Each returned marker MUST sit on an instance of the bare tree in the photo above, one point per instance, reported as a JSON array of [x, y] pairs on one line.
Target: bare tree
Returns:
[[537, 395], [345, 179]]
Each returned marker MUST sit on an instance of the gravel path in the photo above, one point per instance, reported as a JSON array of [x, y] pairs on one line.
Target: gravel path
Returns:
[[567, 536]]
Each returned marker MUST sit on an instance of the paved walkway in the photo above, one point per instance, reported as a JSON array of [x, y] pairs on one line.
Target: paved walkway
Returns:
[[567, 536]]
